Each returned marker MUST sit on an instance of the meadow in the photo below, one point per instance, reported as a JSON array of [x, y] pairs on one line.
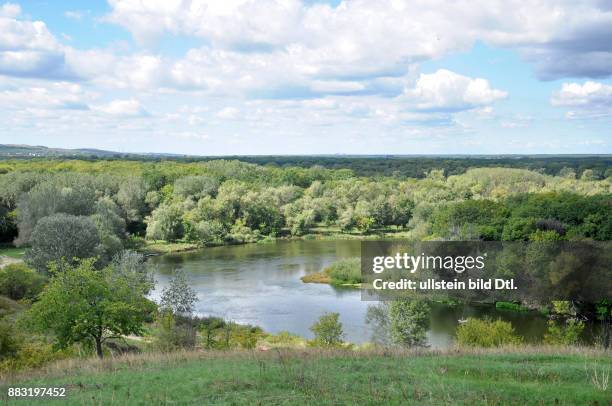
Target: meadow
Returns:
[[526, 376]]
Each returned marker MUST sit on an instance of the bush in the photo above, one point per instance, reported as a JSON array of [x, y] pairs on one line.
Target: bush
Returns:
[[345, 271], [9, 343], [17, 281], [566, 333], [328, 330], [486, 333], [175, 332]]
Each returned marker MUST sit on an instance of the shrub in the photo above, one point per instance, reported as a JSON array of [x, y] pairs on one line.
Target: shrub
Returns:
[[175, 332], [565, 333], [17, 281], [328, 330], [345, 271], [486, 333], [9, 343]]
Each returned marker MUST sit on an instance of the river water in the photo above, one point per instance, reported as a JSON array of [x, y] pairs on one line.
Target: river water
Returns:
[[260, 284]]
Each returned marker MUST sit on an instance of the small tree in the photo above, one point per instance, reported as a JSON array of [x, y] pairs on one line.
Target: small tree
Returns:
[[408, 322], [82, 304], [328, 330], [179, 297], [132, 265]]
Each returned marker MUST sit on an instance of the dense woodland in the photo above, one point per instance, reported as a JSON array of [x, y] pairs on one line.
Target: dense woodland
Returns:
[[106, 205]]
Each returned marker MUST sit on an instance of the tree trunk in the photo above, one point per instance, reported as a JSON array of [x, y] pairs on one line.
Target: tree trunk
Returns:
[[99, 348]]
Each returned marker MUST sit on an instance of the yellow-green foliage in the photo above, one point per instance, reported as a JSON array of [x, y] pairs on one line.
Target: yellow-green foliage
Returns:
[[486, 333], [566, 332], [345, 271], [17, 281]]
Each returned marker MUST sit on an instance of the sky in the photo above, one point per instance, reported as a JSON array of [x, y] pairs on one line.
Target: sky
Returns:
[[251, 77]]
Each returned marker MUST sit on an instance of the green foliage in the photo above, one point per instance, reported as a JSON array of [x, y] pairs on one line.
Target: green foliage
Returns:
[[471, 219], [132, 266], [9, 344], [8, 224], [196, 186], [82, 304], [517, 307], [345, 271], [486, 333], [408, 321], [328, 330], [172, 335], [166, 223], [565, 332], [62, 236], [17, 281]]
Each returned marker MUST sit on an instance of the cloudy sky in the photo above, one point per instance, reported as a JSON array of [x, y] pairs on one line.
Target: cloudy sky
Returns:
[[219, 77]]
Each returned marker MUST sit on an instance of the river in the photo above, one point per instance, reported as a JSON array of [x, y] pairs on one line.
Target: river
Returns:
[[260, 284]]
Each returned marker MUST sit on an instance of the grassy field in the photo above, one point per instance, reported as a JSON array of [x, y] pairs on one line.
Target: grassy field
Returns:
[[12, 252], [511, 376]]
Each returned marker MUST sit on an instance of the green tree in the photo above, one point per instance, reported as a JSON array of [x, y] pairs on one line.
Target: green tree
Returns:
[[132, 266], [85, 305], [196, 186], [62, 236], [408, 321], [166, 223], [328, 330]]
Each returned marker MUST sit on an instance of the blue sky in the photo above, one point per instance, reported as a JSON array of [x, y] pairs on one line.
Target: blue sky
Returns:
[[289, 77]]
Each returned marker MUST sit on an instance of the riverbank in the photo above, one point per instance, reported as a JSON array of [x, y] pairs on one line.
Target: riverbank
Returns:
[[528, 375], [327, 233]]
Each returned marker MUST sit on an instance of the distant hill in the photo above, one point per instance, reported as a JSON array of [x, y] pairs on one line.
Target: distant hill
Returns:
[[414, 166], [32, 151]]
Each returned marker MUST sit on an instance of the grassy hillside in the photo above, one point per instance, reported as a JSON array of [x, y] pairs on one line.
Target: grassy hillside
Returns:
[[521, 376]]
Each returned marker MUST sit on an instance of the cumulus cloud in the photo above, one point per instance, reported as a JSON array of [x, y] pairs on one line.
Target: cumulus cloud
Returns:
[[122, 108], [448, 91], [587, 100], [28, 49], [58, 95], [382, 37]]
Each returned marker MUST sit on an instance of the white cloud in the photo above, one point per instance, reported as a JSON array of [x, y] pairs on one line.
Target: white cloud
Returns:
[[10, 10], [446, 90], [587, 94], [587, 100], [28, 49], [228, 113], [384, 36], [73, 14], [56, 95], [122, 108]]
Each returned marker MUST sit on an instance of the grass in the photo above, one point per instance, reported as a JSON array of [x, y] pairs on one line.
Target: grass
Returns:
[[511, 306], [316, 277], [164, 247], [12, 252], [345, 272], [314, 376]]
